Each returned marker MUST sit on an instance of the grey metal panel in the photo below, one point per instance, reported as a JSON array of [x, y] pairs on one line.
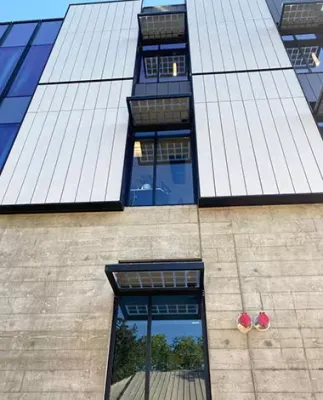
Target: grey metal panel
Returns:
[[97, 41], [233, 35]]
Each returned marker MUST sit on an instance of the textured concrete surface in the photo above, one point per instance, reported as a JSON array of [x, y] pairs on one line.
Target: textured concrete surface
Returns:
[[56, 304]]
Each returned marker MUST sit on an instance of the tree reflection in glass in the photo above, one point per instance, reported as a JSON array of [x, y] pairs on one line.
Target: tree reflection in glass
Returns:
[[176, 345]]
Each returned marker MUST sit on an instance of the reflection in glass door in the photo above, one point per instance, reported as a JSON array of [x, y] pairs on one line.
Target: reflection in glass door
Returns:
[[159, 350]]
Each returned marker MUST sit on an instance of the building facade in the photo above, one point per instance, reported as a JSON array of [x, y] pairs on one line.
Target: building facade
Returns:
[[161, 173]]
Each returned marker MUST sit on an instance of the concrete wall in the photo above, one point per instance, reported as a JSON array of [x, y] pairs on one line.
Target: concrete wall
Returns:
[[56, 303]]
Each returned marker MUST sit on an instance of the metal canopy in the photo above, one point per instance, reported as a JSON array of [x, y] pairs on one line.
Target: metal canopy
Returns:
[[158, 111], [168, 277], [162, 26], [302, 17]]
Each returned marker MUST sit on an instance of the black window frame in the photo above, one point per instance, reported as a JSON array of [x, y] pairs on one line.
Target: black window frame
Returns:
[[155, 137], [150, 292]]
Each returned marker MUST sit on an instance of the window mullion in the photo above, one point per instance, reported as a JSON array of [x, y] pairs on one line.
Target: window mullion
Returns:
[[155, 169], [148, 350]]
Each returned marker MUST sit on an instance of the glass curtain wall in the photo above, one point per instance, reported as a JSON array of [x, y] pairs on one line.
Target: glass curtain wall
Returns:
[[24, 51], [159, 350]]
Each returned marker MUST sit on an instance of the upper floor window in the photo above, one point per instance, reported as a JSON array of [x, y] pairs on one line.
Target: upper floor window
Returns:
[[305, 51], [162, 170], [163, 63]]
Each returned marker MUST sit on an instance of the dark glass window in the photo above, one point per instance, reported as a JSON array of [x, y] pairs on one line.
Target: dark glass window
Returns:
[[176, 367], [3, 28], [8, 134], [47, 32], [27, 79], [162, 170], [13, 109], [8, 60], [19, 35]]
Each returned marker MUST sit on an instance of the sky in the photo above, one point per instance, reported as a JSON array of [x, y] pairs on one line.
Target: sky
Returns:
[[17, 10]]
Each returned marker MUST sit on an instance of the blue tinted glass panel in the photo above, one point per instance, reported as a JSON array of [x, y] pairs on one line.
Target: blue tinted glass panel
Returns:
[[19, 35], [141, 186], [13, 109], [174, 175], [30, 72], [7, 136], [8, 60], [3, 28], [48, 32]]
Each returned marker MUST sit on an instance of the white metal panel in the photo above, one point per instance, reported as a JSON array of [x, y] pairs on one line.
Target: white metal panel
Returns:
[[245, 86], [103, 96], [47, 98], [218, 153], [81, 96], [101, 55], [54, 148], [281, 53], [269, 85], [89, 44], [198, 87], [111, 55], [91, 56], [77, 159], [101, 176], [237, 182], [117, 157], [265, 169], [210, 88], [234, 87], [64, 157], [114, 97], [257, 85], [207, 65], [291, 153], [222, 87], [248, 50], [70, 96], [15, 153], [236, 46], [281, 84], [257, 46], [310, 166], [293, 83], [267, 44], [129, 66], [36, 163], [58, 98], [248, 160], [311, 129], [92, 95], [121, 53], [228, 56], [24, 160], [217, 56], [37, 99], [204, 154], [90, 160], [195, 50], [277, 156]]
